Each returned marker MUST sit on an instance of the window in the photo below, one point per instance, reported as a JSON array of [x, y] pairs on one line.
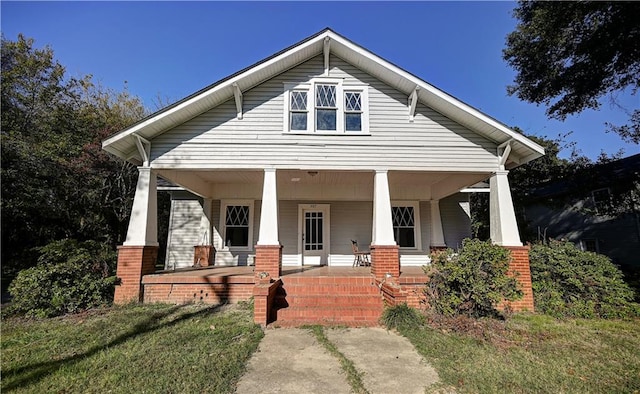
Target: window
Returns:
[[589, 245], [326, 105], [237, 224], [298, 110], [353, 111], [406, 229]]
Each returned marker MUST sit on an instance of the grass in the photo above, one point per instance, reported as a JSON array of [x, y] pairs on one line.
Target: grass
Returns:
[[532, 354], [138, 348], [354, 377]]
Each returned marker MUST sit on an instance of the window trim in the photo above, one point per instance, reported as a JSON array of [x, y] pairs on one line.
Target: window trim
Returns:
[[223, 223], [341, 88], [417, 230]]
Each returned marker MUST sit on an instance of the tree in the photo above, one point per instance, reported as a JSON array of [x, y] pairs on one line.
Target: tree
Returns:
[[569, 55], [57, 183]]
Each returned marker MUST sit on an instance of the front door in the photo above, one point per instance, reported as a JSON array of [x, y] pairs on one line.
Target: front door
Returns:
[[314, 233]]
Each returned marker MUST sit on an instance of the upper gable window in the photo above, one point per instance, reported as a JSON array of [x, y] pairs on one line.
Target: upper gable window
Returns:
[[326, 106]]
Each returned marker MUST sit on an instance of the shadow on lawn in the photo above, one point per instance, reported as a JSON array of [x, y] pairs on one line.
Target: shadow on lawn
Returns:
[[40, 370]]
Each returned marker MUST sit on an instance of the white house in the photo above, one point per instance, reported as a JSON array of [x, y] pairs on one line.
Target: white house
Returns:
[[320, 144]]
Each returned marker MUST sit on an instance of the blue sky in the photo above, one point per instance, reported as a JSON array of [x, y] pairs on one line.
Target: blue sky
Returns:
[[169, 50]]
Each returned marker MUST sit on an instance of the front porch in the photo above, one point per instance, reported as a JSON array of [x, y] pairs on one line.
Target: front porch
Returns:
[[302, 295], [299, 241]]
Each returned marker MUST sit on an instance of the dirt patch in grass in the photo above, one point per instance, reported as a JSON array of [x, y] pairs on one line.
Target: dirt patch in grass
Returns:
[[502, 334]]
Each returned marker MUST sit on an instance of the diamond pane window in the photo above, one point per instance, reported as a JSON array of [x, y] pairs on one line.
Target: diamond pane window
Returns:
[[404, 226], [353, 111], [298, 101], [298, 113], [326, 96], [352, 102], [237, 225]]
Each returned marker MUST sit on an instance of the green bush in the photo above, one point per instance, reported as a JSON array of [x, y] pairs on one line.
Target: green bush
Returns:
[[568, 282], [471, 282], [402, 315], [70, 276]]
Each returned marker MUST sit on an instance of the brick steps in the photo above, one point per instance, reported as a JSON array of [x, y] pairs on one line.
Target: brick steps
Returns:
[[327, 300], [344, 301]]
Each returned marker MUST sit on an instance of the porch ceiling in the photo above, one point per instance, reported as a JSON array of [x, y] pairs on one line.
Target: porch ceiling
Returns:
[[428, 185]]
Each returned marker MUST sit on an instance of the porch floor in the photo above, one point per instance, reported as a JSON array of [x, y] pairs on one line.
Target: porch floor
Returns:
[[245, 274]]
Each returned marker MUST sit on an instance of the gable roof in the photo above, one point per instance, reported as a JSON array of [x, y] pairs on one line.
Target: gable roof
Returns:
[[123, 144]]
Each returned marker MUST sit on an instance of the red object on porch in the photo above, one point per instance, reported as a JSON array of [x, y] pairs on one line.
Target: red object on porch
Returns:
[[133, 263], [203, 255]]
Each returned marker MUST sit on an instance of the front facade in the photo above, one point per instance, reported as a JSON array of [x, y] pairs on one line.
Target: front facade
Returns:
[[286, 162]]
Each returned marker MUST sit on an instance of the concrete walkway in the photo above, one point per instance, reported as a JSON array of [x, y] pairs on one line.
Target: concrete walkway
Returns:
[[292, 361]]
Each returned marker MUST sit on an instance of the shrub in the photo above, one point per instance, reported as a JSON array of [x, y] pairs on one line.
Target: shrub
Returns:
[[568, 282], [401, 316], [70, 276], [471, 282]]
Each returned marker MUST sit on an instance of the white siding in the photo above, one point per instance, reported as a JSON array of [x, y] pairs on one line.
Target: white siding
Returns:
[[349, 220], [184, 229], [456, 223], [217, 139]]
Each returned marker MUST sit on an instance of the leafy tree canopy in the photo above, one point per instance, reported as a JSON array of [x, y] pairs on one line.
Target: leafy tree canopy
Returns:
[[569, 55], [56, 181]]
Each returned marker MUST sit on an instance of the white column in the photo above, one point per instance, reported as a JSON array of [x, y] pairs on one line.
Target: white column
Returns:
[[382, 221], [504, 228], [205, 222], [269, 212], [437, 235], [143, 224]]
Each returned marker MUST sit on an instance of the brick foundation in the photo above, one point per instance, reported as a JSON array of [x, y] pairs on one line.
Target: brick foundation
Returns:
[[409, 290], [203, 255], [385, 258], [268, 259], [263, 299], [133, 263], [184, 293], [520, 265]]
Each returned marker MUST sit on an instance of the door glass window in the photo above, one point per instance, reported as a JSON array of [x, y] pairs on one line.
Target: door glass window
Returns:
[[313, 227]]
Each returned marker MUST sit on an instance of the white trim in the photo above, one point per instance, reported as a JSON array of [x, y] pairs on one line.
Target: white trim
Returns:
[[326, 49], [417, 230], [144, 149], [237, 94], [223, 221], [413, 103]]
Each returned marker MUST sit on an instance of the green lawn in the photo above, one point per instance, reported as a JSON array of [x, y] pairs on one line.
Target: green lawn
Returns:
[[197, 348], [534, 354], [150, 348]]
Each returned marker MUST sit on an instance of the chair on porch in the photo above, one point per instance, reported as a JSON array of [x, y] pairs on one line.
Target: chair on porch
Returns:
[[360, 257]]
